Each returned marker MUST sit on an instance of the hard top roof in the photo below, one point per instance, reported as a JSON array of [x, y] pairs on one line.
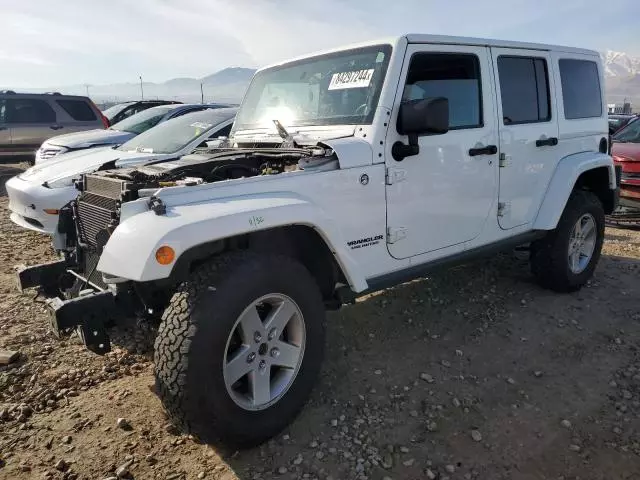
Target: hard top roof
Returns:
[[445, 40]]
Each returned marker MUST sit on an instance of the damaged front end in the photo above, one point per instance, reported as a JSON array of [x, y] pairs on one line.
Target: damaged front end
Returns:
[[89, 301], [78, 300]]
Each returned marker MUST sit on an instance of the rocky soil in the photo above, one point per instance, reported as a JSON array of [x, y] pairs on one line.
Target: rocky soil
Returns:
[[473, 373]]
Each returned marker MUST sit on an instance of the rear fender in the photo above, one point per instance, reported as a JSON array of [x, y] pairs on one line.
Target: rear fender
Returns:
[[130, 251], [564, 179]]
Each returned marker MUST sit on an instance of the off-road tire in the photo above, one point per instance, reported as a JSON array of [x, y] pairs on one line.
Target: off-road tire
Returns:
[[191, 341], [549, 256]]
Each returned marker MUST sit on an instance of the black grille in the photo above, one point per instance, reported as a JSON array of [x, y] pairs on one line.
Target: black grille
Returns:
[[103, 186]]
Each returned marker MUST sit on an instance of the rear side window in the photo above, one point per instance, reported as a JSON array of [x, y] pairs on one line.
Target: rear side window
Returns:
[[79, 110], [581, 92], [453, 76], [28, 110], [524, 89]]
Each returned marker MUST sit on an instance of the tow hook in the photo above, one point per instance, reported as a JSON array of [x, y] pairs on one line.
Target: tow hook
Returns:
[[157, 206]]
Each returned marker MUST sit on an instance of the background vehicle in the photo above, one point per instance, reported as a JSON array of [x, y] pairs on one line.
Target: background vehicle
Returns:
[[626, 153], [346, 172], [119, 112], [617, 121], [37, 195], [120, 132], [27, 120]]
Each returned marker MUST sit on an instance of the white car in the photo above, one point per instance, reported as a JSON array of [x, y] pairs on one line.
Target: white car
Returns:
[[119, 133], [36, 196]]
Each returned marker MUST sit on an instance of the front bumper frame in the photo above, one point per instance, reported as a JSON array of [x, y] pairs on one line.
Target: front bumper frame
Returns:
[[89, 314]]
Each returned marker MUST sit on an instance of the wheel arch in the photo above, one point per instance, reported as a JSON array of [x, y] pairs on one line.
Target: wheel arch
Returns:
[[591, 171], [304, 243]]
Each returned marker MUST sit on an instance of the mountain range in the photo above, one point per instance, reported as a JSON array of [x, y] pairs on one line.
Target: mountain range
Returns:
[[227, 85], [622, 73], [622, 77]]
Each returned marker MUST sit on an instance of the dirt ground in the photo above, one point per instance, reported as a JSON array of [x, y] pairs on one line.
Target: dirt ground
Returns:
[[473, 373]]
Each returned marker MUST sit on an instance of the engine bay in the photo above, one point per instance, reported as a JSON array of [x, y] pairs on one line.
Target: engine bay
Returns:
[[215, 165]]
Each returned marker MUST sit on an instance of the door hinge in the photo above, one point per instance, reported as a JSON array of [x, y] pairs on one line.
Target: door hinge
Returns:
[[396, 234], [395, 175], [505, 160], [503, 208]]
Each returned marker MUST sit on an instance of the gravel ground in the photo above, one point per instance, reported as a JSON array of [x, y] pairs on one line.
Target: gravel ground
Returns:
[[474, 373]]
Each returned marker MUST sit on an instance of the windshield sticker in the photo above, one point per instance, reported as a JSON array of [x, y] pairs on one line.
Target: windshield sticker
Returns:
[[356, 79]]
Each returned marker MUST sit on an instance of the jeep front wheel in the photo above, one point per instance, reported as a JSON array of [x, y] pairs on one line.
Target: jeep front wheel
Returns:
[[239, 348], [565, 259]]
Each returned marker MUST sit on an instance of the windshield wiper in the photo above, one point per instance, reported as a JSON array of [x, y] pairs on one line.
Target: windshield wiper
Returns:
[[288, 141]]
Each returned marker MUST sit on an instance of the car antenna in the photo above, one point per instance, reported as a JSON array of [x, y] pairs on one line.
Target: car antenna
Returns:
[[288, 141]]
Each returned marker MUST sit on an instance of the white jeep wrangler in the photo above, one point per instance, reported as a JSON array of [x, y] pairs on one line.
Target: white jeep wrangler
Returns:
[[345, 172]]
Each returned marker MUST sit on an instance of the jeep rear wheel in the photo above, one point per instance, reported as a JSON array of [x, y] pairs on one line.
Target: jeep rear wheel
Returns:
[[566, 258], [239, 348]]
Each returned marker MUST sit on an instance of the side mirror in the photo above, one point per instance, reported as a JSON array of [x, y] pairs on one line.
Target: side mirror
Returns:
[[423, 116], [420, 117]]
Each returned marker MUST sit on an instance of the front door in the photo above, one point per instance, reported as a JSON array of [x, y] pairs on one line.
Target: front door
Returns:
[[528, 124], [442, 196]]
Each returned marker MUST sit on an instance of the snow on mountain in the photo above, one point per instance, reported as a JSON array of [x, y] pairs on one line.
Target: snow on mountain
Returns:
[[619, 64]]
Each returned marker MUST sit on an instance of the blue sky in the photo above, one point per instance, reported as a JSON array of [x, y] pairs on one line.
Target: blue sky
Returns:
[[51, 43]]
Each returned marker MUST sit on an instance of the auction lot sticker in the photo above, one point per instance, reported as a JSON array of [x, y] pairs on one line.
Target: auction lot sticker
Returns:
[[356, 79]]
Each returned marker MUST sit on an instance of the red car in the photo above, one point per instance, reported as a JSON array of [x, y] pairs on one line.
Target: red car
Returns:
[[626, 152]]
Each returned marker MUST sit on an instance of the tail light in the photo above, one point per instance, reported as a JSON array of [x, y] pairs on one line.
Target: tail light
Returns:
[[105, 120]]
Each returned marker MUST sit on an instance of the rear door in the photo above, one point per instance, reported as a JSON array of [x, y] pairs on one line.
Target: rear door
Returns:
[[528, 128], [32, 121]]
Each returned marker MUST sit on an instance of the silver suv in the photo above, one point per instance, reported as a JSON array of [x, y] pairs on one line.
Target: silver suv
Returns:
[[27, 120]]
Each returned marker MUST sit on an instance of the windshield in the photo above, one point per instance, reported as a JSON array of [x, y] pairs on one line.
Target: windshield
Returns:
[[629, 133], [114, 110], [143, 121], [173, 135], [335, 89]]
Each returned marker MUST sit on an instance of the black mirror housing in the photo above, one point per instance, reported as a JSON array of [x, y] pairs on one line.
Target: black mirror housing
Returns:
[[424, 116]]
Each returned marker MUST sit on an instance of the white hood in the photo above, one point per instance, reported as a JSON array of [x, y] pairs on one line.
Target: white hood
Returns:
[[90, 138], [68, 167]]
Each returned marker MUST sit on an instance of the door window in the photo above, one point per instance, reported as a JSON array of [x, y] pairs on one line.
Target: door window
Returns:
[[524, 89], [455, 76], [27, 110]]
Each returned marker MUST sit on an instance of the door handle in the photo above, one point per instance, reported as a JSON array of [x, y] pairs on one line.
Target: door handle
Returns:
[[488, 150], [56, 127], [548, 142]]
